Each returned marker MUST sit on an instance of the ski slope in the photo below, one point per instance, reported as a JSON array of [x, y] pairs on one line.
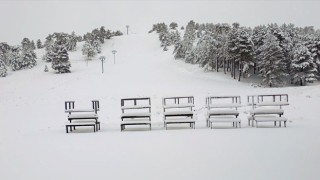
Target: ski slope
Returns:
[[34, 145]]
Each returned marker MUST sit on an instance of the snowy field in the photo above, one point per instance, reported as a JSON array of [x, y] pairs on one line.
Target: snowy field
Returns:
[[35, 146]]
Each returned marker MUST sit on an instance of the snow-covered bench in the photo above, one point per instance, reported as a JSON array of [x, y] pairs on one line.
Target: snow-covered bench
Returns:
[[178, 110], [267, 107], [135, 111], [223, 109], [82, 117]]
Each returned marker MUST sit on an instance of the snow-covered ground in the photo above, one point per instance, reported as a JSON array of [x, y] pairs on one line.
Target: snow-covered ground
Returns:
[[34, 145]]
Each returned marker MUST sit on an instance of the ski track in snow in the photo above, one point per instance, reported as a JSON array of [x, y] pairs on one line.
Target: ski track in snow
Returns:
[[34, 145]]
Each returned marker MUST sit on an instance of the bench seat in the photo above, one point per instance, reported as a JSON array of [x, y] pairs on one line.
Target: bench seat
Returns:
[[224, 105], [178, 113], [136, 122], [85, 123], [182, 105], [267, 119], [136, 115], [223, 112], [180, 121], [235, 121], [83, 116], [267, 111], [269, 104]]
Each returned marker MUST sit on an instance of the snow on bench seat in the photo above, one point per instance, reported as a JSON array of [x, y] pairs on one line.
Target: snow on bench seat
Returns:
[[235, 121], [224, 119], [269, 104], [136, 106], [83, 116], [183, 105], [135, 114], [124, 123], [268, 119], [223, 112], [189, 121], [266, 111], [224, 105], [178, 113], [136, 122]]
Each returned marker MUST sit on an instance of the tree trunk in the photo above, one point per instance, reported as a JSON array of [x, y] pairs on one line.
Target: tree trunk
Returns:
[[254, 68], [240, 70]]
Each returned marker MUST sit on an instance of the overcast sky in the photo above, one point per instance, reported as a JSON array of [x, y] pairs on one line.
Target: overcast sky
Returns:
[[37, 19]]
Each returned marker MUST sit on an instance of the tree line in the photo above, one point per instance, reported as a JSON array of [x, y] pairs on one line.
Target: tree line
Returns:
[[280, 54], [57, 46]]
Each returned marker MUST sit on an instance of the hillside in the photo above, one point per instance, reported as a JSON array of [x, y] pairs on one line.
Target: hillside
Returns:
[[34, 145]]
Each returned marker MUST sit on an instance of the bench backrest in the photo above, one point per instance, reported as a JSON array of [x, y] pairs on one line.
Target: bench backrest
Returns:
[[223, 102], [268, 100], [69, 105], [178, 100], [136, 103]]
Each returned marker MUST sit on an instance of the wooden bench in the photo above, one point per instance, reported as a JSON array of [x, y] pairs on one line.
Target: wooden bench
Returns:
[[135, 111], [223, 109], [178, 110], [82, 117], [267, 107]]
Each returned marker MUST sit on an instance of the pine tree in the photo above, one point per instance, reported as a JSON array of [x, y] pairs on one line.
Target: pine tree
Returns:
[[15, 59], [88, 50], [271, 61], [39, 44], [26, 43], [28, 59], [32, 45], [173, 25], [71, 43], [240, 47], [303, 68], [60, 60], [3, 69]]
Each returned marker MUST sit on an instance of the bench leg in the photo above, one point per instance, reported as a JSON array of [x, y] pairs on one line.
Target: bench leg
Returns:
[[285, 123], [279, 123], [67, 129], [239, 124]]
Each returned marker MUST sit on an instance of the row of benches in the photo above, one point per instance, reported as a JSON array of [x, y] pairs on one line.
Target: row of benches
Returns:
[[178, 110]]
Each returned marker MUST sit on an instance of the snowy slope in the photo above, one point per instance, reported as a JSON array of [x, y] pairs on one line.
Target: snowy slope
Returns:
[[34, 145]]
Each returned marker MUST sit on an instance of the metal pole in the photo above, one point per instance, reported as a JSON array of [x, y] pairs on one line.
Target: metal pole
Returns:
[[114, 58], [102, 67]]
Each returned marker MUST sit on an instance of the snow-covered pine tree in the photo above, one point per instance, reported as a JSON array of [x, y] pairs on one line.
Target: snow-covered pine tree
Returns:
[[28, 59], [186, 44], [71, 43], [313, 45], [173, 25], [5, 49], [240, 47], [3, 69], [271, 61], [88, 50], [26, 43], [15, 59], [39, 44], [303, 68], [258, 36], [97, 46], [49, 43], [60, 60], [32, 45]]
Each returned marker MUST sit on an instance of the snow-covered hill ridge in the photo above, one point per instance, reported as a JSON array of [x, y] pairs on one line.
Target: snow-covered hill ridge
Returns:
[[33, 141]]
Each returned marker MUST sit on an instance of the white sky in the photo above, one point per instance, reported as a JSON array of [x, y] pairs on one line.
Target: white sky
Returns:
[[36, 19]]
